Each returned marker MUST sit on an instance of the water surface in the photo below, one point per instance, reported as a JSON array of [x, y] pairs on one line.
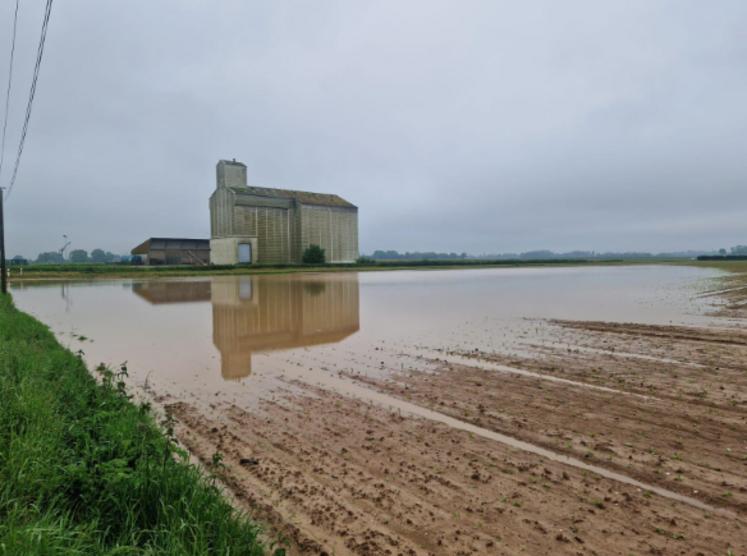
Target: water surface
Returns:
[[234, 336]]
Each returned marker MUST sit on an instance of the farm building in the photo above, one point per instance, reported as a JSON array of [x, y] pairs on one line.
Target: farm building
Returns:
[[251, 224], [166, 250]]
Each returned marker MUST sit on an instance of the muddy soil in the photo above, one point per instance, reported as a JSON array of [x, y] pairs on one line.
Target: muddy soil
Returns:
[[663, 405], [337, 476], [697, 450]]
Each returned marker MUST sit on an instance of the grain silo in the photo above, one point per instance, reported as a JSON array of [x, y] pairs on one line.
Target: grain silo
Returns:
[[250, 224]]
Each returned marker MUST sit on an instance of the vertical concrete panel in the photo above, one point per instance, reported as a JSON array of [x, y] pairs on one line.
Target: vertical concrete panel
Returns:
[[335, 229], [273, 235], [221, 214]]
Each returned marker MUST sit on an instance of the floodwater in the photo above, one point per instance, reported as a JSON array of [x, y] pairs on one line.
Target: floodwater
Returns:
[[242, 339], [233, 334]]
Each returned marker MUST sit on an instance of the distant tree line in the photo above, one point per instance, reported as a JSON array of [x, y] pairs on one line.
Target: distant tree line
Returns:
[[736, 252], [96, 256], [76, 256], [416, 255], [545, 254]]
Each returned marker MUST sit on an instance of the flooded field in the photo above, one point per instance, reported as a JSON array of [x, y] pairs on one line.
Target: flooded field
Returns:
[[598, 410]]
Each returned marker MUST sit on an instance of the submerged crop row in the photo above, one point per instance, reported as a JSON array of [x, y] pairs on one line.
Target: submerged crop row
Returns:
[[84, 470]]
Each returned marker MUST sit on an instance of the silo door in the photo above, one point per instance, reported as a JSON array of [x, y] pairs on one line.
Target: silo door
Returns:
[[245, 253]]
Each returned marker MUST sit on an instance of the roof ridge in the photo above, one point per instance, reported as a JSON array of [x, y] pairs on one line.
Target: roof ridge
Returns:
[[304, 197]]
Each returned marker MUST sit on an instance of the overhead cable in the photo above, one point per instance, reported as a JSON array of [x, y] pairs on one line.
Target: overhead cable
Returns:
[[10, 84], [32, 93]]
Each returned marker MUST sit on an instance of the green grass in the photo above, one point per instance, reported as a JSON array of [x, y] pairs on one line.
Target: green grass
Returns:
[[84, 470], [94, 271], [86, 270]]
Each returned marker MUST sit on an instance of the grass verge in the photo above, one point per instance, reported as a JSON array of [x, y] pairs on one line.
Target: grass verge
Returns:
[[88, 271], [84, 470]]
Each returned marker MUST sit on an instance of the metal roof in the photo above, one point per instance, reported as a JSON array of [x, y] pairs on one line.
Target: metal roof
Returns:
[[303, 197], [171, 243]]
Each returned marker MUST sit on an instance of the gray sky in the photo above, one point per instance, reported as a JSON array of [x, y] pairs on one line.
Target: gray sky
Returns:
[[483, 126]]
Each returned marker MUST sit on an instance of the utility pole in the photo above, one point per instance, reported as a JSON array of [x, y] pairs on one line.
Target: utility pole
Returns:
[[3, 268]]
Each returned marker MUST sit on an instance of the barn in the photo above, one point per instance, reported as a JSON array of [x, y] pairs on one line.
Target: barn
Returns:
[[171, 250], [250, 224]]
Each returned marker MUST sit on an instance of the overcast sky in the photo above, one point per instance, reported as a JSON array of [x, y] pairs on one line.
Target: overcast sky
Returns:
[[478, 126]]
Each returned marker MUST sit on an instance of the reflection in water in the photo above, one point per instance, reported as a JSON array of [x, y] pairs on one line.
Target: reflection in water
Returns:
[[265, 313], [158, 293]]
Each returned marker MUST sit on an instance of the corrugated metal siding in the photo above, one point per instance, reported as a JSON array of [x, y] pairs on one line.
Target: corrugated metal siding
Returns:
[[245, 221], [221, 213], [333, 229], [296, 232], [178, 256], [273, 235]]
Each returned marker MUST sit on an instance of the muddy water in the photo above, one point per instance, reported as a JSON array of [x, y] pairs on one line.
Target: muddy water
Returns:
[[214, 331], [226, 334], [243, 339]]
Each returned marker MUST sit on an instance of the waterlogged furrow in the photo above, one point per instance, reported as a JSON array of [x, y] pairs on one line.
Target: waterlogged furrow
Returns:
[[349, 388], [348, 477], [440, 356], [612, 353]]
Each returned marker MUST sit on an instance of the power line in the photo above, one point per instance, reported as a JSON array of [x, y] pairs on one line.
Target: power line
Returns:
[[32, 93], [10, 82]]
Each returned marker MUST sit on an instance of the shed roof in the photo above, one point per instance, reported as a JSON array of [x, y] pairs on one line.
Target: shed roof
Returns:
[[170, 243], [304, 197]]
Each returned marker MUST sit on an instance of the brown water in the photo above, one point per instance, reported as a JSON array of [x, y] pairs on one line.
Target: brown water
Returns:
[[208, 331], [241, 339]]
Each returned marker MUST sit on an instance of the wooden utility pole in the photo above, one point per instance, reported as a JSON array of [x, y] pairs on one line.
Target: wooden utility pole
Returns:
[[3, 263]]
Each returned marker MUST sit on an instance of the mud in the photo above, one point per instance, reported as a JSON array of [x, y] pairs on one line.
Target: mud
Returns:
[[340, 477]]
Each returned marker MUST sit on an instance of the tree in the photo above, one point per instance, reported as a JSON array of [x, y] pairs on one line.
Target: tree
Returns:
[[722, 251], [78, 256], [50, 257], [313, 255], [98, 256]]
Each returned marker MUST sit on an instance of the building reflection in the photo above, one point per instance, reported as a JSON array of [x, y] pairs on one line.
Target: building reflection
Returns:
[[158, 293], [266, 313]]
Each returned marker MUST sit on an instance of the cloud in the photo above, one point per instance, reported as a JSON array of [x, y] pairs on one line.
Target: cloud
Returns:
[[477, 126]]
